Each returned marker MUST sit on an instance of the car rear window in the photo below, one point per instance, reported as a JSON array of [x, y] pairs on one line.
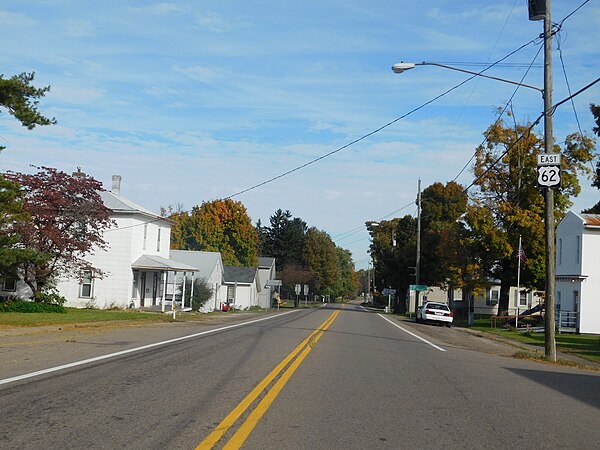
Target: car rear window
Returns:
[[437, 306]]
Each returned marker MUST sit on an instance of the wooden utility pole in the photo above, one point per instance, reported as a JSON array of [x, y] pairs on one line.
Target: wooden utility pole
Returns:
[[550, 338], [418, 262]]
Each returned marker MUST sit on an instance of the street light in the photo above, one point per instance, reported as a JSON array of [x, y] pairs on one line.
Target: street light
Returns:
[[549, 325], [404, 66]]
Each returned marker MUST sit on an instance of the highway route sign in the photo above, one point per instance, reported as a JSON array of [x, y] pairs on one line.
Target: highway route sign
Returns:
[[548, 176]]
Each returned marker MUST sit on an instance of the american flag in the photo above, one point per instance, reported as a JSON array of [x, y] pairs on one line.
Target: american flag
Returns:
[[521, 255]]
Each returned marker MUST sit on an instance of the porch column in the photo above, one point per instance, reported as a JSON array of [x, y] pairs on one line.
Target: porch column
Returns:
[[162, 301], [192, 291], [183, 290]]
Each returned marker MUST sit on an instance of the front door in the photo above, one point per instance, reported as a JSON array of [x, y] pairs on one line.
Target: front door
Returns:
[[142, 288]]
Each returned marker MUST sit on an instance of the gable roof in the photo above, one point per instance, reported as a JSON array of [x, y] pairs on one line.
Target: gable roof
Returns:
[[235, 274], [591, 220], [154, 262], [121, 205], [265, 262], [206, 262]]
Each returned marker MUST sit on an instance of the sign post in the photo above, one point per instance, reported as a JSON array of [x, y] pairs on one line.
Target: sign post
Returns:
[[548, 170], [298, 288], [389, 292]]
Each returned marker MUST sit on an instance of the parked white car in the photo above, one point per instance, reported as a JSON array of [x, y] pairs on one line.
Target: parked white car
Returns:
[[434, 312]]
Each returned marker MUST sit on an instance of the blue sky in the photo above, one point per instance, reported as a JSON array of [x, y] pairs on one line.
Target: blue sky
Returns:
[[196, 100]]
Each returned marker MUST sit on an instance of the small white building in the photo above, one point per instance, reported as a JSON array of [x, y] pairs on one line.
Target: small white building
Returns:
[[578, 272], [243, 287], [266, 273], [209, 268], [136, 263]]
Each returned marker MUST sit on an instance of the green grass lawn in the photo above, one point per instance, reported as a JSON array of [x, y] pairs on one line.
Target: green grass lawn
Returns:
[[75, 315], [585, 346]]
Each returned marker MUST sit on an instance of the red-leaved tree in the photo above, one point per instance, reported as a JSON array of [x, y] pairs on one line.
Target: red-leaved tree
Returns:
[[68, 220]]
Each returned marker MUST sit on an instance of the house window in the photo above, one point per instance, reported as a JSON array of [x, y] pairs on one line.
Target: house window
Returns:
[[557, 305], [575, 301], [523, 298], [87, 284], [493, 297], [560, 252], [577, 252], [145, 235], [158, 241], [134, 288], [9, 285], [230, 294]]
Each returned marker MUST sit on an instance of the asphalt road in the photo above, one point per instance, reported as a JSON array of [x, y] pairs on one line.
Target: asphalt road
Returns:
[[364, 381]]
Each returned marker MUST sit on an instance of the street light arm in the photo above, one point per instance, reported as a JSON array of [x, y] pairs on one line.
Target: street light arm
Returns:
[[402, 67]]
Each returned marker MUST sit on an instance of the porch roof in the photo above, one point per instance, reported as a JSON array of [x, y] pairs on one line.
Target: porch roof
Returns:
[[155, 262]]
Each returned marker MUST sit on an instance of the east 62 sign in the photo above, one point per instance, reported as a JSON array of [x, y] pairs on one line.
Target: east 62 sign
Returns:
[[548, 170]]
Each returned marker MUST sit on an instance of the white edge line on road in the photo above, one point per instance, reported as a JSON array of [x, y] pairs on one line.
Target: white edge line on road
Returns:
[[412, 334], [132, 350]]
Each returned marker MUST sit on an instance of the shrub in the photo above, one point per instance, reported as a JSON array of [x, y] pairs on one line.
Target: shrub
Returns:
[[202, 293], [50, 298], [24, 306]]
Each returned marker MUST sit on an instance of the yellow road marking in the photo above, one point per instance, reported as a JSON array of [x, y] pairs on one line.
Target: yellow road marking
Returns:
[[222, 428]]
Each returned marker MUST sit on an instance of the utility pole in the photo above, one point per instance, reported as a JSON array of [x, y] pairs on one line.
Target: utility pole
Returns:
[[540, 10], [550, 338], [418, 262], [368, 293]]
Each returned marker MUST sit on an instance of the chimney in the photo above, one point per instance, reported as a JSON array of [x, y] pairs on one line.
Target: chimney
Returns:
[[79, 173], [116, 184]]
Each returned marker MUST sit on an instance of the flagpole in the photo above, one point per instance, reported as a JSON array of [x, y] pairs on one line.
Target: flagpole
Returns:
[[519, 255]]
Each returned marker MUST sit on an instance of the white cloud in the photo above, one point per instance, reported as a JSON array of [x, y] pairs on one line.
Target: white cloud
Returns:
[[77, 28], [489, 13], [17, 21], [203, 74], [212, 21], [75, 94], [157, 9]]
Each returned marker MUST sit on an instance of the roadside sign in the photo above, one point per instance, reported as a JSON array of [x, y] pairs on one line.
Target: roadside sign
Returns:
[[548, 170], [548, 176], [274, 283], [297, 289], [306, 289], [418, 287], [548, 159]]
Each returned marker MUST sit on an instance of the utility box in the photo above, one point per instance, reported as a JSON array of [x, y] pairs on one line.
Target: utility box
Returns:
[[537, 9]]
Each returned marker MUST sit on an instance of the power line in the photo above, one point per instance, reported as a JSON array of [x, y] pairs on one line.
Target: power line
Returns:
[[501, 113], [365, 136], [553, 110], [573, 12], [531, 65], [377, 130]]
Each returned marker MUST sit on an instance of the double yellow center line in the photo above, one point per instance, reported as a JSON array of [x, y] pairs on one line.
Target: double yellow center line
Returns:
[[295, 358]]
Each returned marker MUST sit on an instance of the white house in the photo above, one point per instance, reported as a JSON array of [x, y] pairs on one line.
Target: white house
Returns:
[[242, 286], [210, 268], [266, 272], [578, 272], [485, 303], [136, 264]]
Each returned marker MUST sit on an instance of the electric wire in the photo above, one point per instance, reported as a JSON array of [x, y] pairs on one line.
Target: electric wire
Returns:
[[475, 87], [486, 135], [377, 130], [537, 120], [572, 12]]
